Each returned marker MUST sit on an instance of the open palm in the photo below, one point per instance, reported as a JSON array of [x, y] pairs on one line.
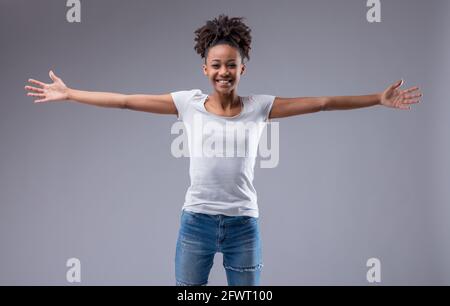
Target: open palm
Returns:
[[402, 99], [57, 91]]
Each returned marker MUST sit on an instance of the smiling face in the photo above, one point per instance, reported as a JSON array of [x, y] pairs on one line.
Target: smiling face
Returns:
[[224, 68]]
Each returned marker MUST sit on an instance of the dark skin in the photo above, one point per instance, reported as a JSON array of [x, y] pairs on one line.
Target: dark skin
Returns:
[[224, 62]]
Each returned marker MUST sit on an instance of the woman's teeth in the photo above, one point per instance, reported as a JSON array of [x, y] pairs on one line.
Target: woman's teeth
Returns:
[[224, 82]]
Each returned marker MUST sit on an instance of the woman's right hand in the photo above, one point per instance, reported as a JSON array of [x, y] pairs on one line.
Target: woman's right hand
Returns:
[[57, 91]]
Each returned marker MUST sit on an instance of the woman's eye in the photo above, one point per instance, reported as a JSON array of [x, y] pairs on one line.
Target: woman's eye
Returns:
[[216, 66]]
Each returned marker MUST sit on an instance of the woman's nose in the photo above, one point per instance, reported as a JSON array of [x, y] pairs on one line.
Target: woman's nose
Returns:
[[223, 71]]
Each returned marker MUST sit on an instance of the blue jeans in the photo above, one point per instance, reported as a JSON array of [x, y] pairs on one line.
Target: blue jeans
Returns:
[[202, 235]]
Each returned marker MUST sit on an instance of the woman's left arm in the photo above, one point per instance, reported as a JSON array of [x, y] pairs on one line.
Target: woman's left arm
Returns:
[[391, 97]]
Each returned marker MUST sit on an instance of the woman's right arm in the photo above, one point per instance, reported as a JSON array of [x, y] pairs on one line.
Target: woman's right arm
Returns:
[[58, 91]]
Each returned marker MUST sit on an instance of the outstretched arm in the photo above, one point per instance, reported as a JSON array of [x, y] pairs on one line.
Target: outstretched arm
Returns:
[[391, 97], [58, 91]]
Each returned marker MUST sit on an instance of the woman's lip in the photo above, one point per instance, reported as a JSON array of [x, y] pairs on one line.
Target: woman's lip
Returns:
[[224, 84]]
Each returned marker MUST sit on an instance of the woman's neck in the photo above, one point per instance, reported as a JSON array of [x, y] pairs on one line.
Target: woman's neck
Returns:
[[226, 101]]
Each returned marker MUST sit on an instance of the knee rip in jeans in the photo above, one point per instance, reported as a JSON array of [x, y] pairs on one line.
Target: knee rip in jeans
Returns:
[[246, 269], [186, 284]]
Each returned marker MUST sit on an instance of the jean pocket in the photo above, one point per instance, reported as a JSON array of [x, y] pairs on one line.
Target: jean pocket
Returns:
[[190, 217], [247, 219]]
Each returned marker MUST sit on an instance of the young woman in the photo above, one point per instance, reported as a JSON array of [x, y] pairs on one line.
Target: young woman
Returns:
[[220, 213]]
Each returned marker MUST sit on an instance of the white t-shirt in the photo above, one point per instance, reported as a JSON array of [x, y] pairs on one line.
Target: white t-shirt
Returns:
[[222, 153]]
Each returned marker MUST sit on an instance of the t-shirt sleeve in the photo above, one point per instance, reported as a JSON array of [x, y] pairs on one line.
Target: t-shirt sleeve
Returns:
[[266, 102], [182, 100]]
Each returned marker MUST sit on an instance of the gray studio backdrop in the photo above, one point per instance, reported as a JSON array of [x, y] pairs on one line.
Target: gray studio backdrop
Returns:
[[101, 185]]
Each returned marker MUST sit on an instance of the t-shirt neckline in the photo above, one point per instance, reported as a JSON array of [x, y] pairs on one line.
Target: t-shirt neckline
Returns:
[[241, 99]]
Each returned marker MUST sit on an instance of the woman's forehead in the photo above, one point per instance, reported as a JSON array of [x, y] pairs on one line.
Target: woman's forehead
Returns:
[[223, 53]]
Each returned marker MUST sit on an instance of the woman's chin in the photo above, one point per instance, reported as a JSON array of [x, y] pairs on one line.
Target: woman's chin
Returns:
[[224, 89]]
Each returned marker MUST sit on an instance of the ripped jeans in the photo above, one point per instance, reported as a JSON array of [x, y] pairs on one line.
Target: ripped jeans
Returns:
[[202, 235]]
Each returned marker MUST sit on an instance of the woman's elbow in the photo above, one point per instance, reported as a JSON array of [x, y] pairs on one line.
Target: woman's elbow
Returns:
[[324, 103]]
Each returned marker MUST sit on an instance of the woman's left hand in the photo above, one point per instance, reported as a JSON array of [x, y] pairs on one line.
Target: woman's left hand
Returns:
[[402, 99]]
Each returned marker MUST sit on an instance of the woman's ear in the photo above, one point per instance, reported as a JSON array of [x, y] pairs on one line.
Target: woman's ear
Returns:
[[205, 72], [243, 69]]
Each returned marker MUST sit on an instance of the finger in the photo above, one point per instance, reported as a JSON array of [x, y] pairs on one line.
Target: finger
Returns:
[[412, 89], [405, 107], [53, 76], [34, 89], [30, 94], [413, 96], [37, 82], [40, 100], [411, 101], [397, 84]]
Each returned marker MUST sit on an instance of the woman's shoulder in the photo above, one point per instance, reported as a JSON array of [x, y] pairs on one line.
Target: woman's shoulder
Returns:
[[259, 96], [189, 94], [189, 91]]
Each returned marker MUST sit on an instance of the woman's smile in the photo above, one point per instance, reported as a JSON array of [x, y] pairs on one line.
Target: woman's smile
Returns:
[[224, 82]]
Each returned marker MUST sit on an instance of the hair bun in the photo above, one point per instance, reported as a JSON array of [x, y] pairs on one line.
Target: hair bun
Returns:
[[224, 29]]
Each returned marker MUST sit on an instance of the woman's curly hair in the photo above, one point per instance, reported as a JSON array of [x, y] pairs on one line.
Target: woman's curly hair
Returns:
[[223, 30]]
